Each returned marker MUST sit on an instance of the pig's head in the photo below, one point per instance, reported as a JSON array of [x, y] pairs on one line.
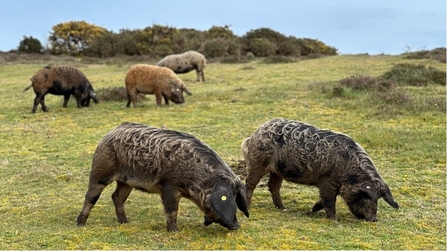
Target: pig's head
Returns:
[[89, 94], [362, 199], [221, 207], [175, 93]]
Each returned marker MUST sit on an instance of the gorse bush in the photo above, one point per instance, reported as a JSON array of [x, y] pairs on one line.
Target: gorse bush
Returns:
[[73, 37], [312, 46]]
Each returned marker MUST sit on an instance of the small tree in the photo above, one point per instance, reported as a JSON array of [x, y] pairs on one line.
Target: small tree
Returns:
[[30, 45], [73, 37]]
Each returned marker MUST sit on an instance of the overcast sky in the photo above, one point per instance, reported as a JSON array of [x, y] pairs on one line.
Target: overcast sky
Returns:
[[351, 26]]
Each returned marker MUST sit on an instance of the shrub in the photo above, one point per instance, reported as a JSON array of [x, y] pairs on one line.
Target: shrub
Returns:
[[233, 47], [262, 47], [190, 39], [384, 94], [105, 45], [220, 32], [436, 76], [162, 50], [313, 46], [265, 33], [30, 45], [368, 83], [437, 54], [289, 47], [359, 82], [415, 75], [215, 48]]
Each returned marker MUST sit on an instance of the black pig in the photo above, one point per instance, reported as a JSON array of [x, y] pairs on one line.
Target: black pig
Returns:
[[303, 154], [61, 80], [170, 163]]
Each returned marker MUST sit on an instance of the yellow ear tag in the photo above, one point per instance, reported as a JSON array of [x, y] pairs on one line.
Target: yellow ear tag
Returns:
[[223, 198]]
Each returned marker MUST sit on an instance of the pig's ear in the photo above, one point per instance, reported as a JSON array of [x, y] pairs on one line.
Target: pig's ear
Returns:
[[241, 200], [386, 194], [92, 95], [186, 90], [222, 202]]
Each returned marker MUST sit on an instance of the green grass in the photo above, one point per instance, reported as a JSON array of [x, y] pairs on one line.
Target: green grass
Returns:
[[45, 158]]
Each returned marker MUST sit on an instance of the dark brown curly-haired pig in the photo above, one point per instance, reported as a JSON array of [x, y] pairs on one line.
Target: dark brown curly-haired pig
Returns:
[[61, 80], [303, 154], [170, 163], [151, 79], [186, 62]]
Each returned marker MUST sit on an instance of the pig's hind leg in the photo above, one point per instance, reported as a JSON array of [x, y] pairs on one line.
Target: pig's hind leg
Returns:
[[119, 197], [97, 182], [91, 197], [274, 184]]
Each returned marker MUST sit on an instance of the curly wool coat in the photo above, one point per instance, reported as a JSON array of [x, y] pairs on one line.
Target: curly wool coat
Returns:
[[170, 163], [303, 154]]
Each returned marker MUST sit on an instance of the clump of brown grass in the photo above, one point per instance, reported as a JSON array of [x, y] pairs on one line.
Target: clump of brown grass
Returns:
[[360, 83], [348, 86], [115, 94], [382, 91]]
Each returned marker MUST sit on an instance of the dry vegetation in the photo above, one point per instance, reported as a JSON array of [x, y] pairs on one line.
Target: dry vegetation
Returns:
[[45, 157]]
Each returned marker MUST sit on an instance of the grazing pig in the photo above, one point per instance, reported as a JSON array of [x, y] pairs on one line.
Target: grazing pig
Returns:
[[61, 80], [303, 154], [186, 62], [151, 79], [167, 162]]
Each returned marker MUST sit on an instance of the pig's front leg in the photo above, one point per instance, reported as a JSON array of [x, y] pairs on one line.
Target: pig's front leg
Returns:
[[170, 198]]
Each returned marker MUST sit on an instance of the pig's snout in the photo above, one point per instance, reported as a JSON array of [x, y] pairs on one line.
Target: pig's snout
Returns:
[[234, 226], [371, 218]]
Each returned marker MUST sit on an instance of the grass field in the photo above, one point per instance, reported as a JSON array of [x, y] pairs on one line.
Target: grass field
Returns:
[[45, 158]]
